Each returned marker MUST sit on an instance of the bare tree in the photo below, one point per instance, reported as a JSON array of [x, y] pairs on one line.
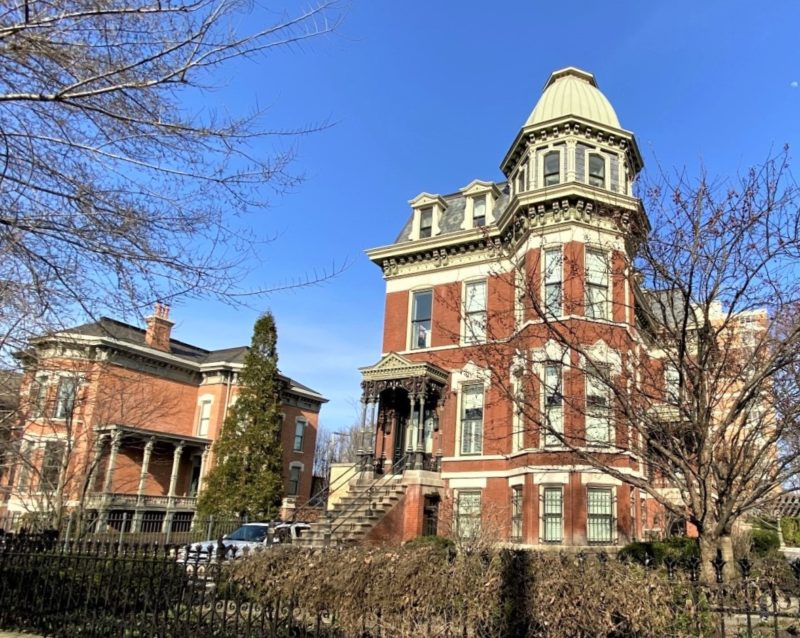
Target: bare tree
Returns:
[[702, 396], [115, 191]]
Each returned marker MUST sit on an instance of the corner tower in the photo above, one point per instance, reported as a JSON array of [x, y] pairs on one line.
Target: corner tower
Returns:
[[475, 282]]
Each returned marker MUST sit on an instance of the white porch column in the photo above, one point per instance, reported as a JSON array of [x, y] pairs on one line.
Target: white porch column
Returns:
[[176, 464], [99, 444], [148, 451], [116, 441], [203, 467]]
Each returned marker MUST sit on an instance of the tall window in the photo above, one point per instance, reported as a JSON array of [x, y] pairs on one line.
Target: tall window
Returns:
[[299, 433], [596, 284], [552, 515], [553, 403], [38, 396], [204, 419], [65, 397], [51, 465], [472, 418], [426, 222], [597, 170], [516, 514], [521, 186], [293, 488], [600, 520], [25, 460], [468, 514], [672, 381], [598, 408], [553, 272], [421, 307], [475, 312], [552, 168], [479, 211]]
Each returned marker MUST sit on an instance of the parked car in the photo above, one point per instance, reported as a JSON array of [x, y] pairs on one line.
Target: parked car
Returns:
[[249, 537]]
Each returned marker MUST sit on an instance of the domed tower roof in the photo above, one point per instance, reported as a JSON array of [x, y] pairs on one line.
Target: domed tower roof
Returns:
[[571, 91]]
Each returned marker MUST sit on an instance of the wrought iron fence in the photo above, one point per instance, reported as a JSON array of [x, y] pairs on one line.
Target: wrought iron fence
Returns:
[[106, 590], [97, 589]]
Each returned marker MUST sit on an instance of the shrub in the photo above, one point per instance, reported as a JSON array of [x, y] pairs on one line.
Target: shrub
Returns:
[[791, 531], [764, 542], [679, 548], [436, 542]]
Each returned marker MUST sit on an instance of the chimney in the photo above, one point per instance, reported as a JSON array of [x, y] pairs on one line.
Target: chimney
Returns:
[[159, 328]]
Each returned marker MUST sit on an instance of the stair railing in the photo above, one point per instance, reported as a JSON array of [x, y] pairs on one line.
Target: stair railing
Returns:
[[345, 515], [321, 496]]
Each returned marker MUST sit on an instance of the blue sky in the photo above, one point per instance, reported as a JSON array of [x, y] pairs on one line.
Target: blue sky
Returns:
[[426, 96]]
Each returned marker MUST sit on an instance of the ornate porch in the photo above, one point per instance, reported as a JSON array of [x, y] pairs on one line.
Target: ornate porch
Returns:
[[401, 407]]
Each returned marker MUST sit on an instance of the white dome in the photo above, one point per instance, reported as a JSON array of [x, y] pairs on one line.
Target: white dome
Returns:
[[571, 91]]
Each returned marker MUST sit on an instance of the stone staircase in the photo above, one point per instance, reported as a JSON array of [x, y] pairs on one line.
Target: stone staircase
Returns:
[[355, 514]]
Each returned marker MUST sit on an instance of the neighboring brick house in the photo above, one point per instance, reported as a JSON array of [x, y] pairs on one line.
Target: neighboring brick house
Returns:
[[122, 420], [474, 283]]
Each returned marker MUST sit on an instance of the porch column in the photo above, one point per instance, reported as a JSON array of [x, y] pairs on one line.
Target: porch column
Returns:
[[99, 444], [148, 451], [363, 430], [116, 441], [410, 433], [420, 432], [369, 448], [176, 464], [203, 466]]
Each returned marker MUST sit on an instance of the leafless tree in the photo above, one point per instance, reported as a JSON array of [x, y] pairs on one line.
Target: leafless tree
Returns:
[[118, 187], [704, 394]]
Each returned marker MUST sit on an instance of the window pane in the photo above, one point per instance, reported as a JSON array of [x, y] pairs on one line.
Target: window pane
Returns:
[[205, 417], [479, 211], [475, 312], [551, 169], [51, 465], [596, 267], [468, 514], [552, 514], [471, 419], [553, 271], [421, 319], [597, 170], [596, 302], [552, 403], [476, 296], [425, 222], [299, 431], [600, 519], [65, 398]]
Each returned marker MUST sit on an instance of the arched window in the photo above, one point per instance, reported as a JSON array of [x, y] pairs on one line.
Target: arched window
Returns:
[[552, 168], [597, 170]]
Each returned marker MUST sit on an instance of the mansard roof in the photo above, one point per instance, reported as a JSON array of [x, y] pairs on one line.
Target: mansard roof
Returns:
[[453, 217]]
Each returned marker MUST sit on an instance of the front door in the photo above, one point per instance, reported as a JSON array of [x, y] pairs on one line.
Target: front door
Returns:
[[399, 440]]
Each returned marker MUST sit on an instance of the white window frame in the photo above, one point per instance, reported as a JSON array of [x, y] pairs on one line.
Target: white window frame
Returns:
[[203, 417], [60, 411], [300, 424], [423, 211], [475, 200], [517, 513], [672, 381], [549, 440], [547, 153], [604, 158], [474, 445], [469, 336], [606, 305], [546, 269], [294, 466], [40, 382], [468, 524], [412, 341], [545, 529], [611, 518], [594, 386]]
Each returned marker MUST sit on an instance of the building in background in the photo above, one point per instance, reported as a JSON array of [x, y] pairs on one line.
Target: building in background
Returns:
[[119, 422]]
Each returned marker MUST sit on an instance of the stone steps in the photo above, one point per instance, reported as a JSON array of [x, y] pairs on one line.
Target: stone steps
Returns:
[[354, 515]]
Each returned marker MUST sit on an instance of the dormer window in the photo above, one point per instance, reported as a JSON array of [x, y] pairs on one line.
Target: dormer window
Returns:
[[597, 170], [552, 168], [479, 212], [426, 222]]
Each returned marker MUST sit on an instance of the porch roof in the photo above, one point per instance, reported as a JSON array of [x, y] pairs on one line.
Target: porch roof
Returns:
[[395, 366], [159, 435]]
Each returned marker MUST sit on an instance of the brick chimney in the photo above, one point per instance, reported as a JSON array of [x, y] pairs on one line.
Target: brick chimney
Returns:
[[159, 328]]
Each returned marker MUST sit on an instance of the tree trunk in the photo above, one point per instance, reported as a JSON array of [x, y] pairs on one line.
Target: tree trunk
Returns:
[[708, 551], [709, 547], [726, 545]]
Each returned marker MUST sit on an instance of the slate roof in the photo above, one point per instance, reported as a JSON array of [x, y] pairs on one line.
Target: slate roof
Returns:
[[453, 216]]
